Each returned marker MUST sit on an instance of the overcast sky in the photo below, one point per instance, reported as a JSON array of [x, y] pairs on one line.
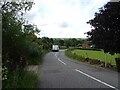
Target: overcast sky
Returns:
[[63, 18]]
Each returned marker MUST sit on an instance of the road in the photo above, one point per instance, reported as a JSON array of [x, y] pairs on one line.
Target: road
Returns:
[[59, 71]]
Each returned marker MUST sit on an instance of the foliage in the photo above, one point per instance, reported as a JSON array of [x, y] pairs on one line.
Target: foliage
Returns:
[[106, 28], [82, 56], [61, 42], [69, 42], [73, 55], [47, 43], [15, 45], [20, 44], [4, 73], [56, 41], [94, 49], [21, 79], [97, 55], [63, 47]]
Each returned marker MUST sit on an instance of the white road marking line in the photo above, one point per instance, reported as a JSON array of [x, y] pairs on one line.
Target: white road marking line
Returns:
[[61, 61], [95, 79], [56, 55]]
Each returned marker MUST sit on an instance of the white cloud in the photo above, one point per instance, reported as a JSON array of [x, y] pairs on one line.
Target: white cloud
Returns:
[[64, 18]]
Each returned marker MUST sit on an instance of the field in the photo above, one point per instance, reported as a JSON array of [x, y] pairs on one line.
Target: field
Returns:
[[100, 55]]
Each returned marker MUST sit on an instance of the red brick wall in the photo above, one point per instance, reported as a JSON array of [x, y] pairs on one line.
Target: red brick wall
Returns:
[[85, 45]]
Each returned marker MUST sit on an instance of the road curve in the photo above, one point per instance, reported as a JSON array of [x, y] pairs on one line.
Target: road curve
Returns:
[[59, 71]]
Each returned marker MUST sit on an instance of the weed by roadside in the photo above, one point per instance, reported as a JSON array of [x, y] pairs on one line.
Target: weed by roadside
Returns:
[[37, 60], [21, 79]]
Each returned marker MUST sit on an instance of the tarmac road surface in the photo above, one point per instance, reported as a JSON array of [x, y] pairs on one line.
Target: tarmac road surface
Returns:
[[59, 71]]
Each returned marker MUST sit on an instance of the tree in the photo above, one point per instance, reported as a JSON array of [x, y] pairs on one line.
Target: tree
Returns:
[[20, 45], [106, 31], [56, 41], [67, 43], [47, 43], [81, 41], [74, 42], [61, 42], [15, 47]]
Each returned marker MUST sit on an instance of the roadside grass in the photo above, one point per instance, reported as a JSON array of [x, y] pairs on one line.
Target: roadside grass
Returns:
[[92, 57], [37, 60], [99, 55], [73, 55], [63, 47], [21, 79]]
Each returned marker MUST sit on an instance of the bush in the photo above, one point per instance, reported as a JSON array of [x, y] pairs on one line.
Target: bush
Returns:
[[38, 59], [94, 49], [20, 45], [21, 79], [63, 47]]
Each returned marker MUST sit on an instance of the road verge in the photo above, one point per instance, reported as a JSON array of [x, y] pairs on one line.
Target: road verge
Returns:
[[95, 62]]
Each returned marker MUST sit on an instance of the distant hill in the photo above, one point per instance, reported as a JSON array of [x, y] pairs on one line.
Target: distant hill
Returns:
[[69, 38]]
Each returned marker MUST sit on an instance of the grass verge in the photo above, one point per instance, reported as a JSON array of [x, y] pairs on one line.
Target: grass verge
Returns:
[[73, 55], [99, 55], [83, 57]]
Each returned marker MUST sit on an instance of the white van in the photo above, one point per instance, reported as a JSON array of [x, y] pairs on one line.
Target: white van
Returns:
[[55, 48]]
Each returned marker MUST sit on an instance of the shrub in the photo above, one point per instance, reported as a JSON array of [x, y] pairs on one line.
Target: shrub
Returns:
[[94, 49], [20, 79]]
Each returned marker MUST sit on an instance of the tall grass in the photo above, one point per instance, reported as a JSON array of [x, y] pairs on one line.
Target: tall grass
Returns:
[[21, 79], [37, 60]]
